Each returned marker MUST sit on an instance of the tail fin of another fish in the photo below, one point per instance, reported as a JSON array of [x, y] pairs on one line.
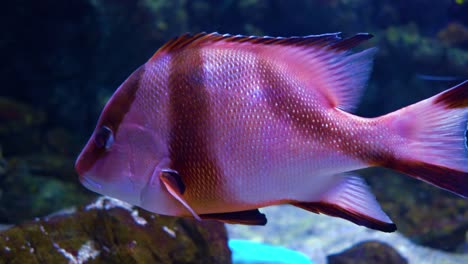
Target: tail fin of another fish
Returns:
[[436, 132]]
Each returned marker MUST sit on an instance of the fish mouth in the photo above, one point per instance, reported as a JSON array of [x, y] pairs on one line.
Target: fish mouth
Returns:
[[89, 183]]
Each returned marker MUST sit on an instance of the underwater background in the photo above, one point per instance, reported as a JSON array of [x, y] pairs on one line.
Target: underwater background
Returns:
[[62, 60]]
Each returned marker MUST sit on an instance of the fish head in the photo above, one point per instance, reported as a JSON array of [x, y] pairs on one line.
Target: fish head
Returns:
[[123, 151]]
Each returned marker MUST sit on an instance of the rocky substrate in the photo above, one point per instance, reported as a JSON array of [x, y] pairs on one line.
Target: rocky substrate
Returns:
[[110, 231], [368, 252]]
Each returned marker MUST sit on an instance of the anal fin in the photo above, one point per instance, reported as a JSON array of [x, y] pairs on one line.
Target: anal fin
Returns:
[[249, 217], [351, 199]]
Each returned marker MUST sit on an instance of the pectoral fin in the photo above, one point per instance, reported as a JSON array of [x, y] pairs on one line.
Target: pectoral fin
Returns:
[[176, 187], [250, 217], [351, 199]]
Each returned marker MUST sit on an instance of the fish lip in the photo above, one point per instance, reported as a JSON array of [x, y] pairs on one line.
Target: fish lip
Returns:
[[89, 183]]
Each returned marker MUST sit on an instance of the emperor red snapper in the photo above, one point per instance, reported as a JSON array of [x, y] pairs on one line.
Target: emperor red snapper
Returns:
[[216, 126]]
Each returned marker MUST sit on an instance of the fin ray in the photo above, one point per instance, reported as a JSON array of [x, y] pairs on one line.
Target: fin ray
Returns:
[[435, 135], [352, 200], [203, 38], [249, 217], [175, 187]]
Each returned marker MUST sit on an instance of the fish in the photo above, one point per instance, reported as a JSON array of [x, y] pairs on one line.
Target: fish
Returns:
[[216, 126]]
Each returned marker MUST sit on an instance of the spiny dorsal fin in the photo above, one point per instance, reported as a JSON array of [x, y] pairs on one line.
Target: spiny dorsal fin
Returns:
[[330, 40], [331, 70]]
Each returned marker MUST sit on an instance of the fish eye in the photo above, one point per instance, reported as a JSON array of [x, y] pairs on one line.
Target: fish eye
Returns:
[[104, 137]]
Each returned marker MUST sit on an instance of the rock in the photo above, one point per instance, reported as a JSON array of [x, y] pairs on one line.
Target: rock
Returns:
[[111, 231], [368, 252]]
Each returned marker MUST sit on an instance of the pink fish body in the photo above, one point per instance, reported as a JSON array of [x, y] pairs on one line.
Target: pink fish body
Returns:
[[216, 126]]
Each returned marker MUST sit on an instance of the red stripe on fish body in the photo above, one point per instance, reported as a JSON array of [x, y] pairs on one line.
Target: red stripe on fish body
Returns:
[[190, 136]]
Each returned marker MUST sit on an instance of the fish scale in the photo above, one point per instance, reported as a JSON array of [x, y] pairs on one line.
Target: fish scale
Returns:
[[250, 100]]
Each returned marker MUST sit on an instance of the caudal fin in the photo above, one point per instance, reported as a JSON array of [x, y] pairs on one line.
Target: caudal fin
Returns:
[[436, 132]]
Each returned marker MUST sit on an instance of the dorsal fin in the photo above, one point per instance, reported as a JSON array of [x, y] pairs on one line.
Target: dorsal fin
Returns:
[[340, 77], [330, 40]]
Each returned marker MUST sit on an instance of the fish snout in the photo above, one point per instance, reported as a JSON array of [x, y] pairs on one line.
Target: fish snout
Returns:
[[79, 168], [87, 158], [83, 166]]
